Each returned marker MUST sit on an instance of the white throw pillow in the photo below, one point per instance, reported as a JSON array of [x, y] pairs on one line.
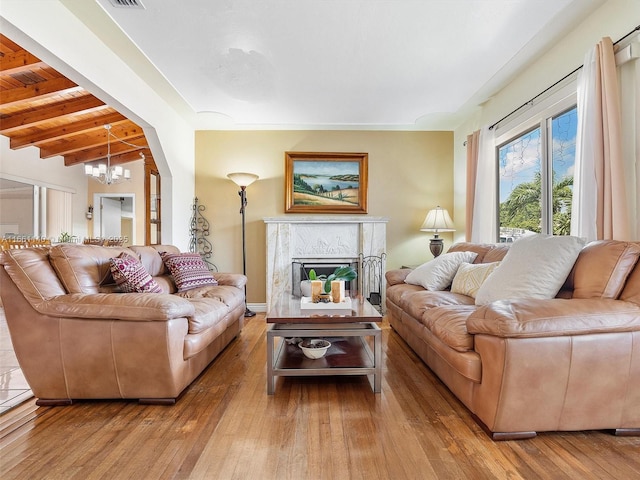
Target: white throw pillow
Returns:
[[469, 277], [536, 266], [439, 272]]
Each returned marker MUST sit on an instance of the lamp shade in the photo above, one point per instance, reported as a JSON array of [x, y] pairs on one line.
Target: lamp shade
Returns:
[[242, 179], [438, 220]]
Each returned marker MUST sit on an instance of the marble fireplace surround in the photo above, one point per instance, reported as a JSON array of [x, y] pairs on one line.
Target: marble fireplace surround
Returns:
[[317, 237]]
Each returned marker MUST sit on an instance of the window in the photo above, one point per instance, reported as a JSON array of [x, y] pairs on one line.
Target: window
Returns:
[[535, 168]]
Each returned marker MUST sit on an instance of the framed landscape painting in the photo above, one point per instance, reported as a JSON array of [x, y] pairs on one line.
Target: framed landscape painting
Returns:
[[317, 182]]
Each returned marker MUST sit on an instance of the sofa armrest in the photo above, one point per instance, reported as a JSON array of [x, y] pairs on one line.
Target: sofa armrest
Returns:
[[527, 318], [394, 277], [141, 307], [232, 279]]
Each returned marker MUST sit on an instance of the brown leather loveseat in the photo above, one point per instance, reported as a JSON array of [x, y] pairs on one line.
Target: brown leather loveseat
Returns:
[[526, 365], [76, 337]]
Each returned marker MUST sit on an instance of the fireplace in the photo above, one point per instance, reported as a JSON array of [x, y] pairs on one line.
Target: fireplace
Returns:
[[331, 239]]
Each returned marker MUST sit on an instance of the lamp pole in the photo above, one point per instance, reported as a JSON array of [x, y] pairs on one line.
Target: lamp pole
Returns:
[[243, 180]]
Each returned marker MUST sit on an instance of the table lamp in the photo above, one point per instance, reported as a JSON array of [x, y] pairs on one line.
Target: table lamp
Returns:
[[437, 220]]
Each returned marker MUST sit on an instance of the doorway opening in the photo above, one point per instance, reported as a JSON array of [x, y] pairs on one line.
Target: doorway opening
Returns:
[[114, 217]]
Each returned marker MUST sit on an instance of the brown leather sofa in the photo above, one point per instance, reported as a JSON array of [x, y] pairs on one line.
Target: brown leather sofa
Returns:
[[75, 337], [528, 365]]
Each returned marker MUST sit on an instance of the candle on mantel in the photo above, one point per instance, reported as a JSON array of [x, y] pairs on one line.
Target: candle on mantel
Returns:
[[337, 291]]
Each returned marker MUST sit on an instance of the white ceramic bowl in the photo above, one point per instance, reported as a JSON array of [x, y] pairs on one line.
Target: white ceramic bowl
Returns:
[[314, 348]]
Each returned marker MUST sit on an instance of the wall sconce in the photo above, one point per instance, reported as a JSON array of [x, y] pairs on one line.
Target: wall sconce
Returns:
[[437, 220], [89, 213]]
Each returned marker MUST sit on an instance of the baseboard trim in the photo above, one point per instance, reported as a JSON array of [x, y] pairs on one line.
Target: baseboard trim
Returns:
[[257, 307]]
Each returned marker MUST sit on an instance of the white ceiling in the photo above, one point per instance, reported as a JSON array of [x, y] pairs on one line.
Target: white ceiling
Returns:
[[343, 63]]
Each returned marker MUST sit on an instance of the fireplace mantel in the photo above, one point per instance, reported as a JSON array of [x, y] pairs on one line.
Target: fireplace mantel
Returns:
[[320, 237]]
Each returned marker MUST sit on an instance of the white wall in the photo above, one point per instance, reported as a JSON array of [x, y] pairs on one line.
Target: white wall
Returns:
[[614, 19], [53, 31]]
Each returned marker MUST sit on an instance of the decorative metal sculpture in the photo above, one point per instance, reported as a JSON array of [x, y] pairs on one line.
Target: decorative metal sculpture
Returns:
[[371, 279], [199, 230]]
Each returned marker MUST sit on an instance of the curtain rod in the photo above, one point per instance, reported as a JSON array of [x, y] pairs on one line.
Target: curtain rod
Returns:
[[556, 83]]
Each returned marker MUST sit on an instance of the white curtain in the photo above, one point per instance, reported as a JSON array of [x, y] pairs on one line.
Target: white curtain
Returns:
[[59, 213], [600, 203], [629, 74], [473, 143], [485, 221], [583, 209]]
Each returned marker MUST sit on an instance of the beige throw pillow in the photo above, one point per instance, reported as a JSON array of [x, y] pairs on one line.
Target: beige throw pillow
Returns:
[[535, 266], [439, 272], [470, 276]]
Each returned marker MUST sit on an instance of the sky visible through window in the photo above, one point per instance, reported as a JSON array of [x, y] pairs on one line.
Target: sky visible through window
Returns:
[[520, 176]]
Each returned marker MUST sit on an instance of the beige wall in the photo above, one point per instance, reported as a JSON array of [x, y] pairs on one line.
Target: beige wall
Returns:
[[409, 173]]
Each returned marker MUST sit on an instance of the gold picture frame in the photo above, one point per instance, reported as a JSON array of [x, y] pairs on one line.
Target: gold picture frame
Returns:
[[322, 182]]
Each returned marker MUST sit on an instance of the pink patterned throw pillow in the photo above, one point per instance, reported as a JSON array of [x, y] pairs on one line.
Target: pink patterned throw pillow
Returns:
[[131, 276], [188, 270]]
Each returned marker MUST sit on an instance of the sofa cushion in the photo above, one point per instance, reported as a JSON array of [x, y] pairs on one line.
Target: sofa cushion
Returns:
[[481, 249], [31, 271], [602, 268], [149, 256], [631, 292], [449, 324], [497, 253], [439, 272], [84, 268], [554, 317], [131, 276], [415, 300], [229, 295], [188, 270], [536, 266], [470, 276], [398, 293], [487, 252], [209, 313]]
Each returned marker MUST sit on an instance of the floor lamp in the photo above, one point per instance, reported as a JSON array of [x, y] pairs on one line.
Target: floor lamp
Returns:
[[437, 220], [243, 180]]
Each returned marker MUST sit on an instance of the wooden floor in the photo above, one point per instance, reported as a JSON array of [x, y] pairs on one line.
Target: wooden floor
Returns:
[[225, 426]]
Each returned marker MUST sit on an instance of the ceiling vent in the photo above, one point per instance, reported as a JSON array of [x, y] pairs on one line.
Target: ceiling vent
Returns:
[[127, 3]]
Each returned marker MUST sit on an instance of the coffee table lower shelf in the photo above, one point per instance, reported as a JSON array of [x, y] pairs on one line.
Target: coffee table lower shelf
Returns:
[[349, 354]]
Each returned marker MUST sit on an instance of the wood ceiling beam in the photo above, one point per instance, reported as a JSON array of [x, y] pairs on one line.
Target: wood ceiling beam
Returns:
[[120, 159], [40, 107], [18, 62], [66, 108], [94, 138], [48, 88], [55, 133], [100, 153]]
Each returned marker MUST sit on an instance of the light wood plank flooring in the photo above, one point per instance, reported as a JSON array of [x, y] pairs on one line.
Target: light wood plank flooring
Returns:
[[225, 426], [14, 389]]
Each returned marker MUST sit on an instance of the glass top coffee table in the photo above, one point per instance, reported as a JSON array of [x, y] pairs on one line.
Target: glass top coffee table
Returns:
[[350, 335]]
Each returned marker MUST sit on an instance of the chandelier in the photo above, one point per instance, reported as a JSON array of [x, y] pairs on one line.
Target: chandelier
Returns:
[[105, 173]]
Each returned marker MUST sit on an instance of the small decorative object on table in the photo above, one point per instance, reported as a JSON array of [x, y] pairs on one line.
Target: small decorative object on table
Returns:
[[337, 291], [332, 285], [314, 348]]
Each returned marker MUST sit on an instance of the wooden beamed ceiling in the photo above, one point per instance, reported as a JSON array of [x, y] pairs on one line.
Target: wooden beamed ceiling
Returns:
[[42, 108]]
